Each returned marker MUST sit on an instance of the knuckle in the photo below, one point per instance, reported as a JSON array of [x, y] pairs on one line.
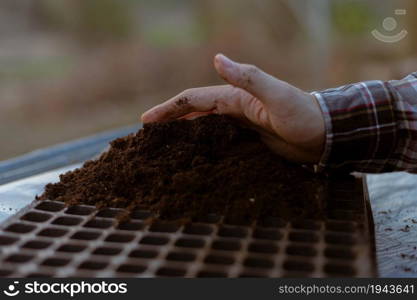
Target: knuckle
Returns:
[[252, 69], [249, 72], [183, 101]]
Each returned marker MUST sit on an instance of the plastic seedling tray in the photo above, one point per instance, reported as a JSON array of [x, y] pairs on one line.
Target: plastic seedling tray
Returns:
[[49, 239]]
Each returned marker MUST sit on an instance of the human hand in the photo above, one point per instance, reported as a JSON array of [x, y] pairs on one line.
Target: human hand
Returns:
[[288, 119]]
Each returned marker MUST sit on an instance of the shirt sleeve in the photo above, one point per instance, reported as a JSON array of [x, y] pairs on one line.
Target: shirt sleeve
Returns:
[[370, 126]]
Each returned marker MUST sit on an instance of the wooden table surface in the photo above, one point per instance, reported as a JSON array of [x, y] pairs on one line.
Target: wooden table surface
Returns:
[[394, 206]]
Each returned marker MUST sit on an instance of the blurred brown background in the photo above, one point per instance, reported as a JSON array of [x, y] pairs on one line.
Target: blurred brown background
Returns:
[[70, 68]]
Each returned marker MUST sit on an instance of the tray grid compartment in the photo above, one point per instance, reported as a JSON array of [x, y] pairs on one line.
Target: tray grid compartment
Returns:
[[49, 239]]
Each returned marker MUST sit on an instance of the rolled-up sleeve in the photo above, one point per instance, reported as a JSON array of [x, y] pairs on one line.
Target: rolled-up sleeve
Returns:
[[370, 126]]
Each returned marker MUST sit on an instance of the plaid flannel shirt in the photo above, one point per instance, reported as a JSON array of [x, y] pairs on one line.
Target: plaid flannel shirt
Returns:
[[371, 126]]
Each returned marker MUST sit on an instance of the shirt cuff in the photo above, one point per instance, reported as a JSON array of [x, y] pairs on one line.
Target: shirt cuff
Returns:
[[328, 133], [361, 128]]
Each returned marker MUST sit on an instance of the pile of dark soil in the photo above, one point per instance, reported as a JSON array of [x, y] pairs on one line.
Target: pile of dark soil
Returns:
[[188, 169]]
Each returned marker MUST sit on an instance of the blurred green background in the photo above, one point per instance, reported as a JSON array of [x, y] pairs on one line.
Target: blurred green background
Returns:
[[70, 68]]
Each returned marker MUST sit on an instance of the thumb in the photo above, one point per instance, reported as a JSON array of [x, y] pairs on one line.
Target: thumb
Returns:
[[250, 78]]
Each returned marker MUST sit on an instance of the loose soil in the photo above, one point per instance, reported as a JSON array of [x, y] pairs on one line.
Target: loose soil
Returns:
[[189, 169]]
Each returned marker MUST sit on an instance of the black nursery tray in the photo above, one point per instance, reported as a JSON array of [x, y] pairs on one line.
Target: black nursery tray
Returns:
[[49, 239]]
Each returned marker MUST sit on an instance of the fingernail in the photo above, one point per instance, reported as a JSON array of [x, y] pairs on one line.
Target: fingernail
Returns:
[[143, 118], [224, 61], [146, 117]]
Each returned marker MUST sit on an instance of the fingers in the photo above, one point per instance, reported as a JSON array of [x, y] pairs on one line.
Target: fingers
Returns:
[[195, 115], [216, 99], [248, 77]]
